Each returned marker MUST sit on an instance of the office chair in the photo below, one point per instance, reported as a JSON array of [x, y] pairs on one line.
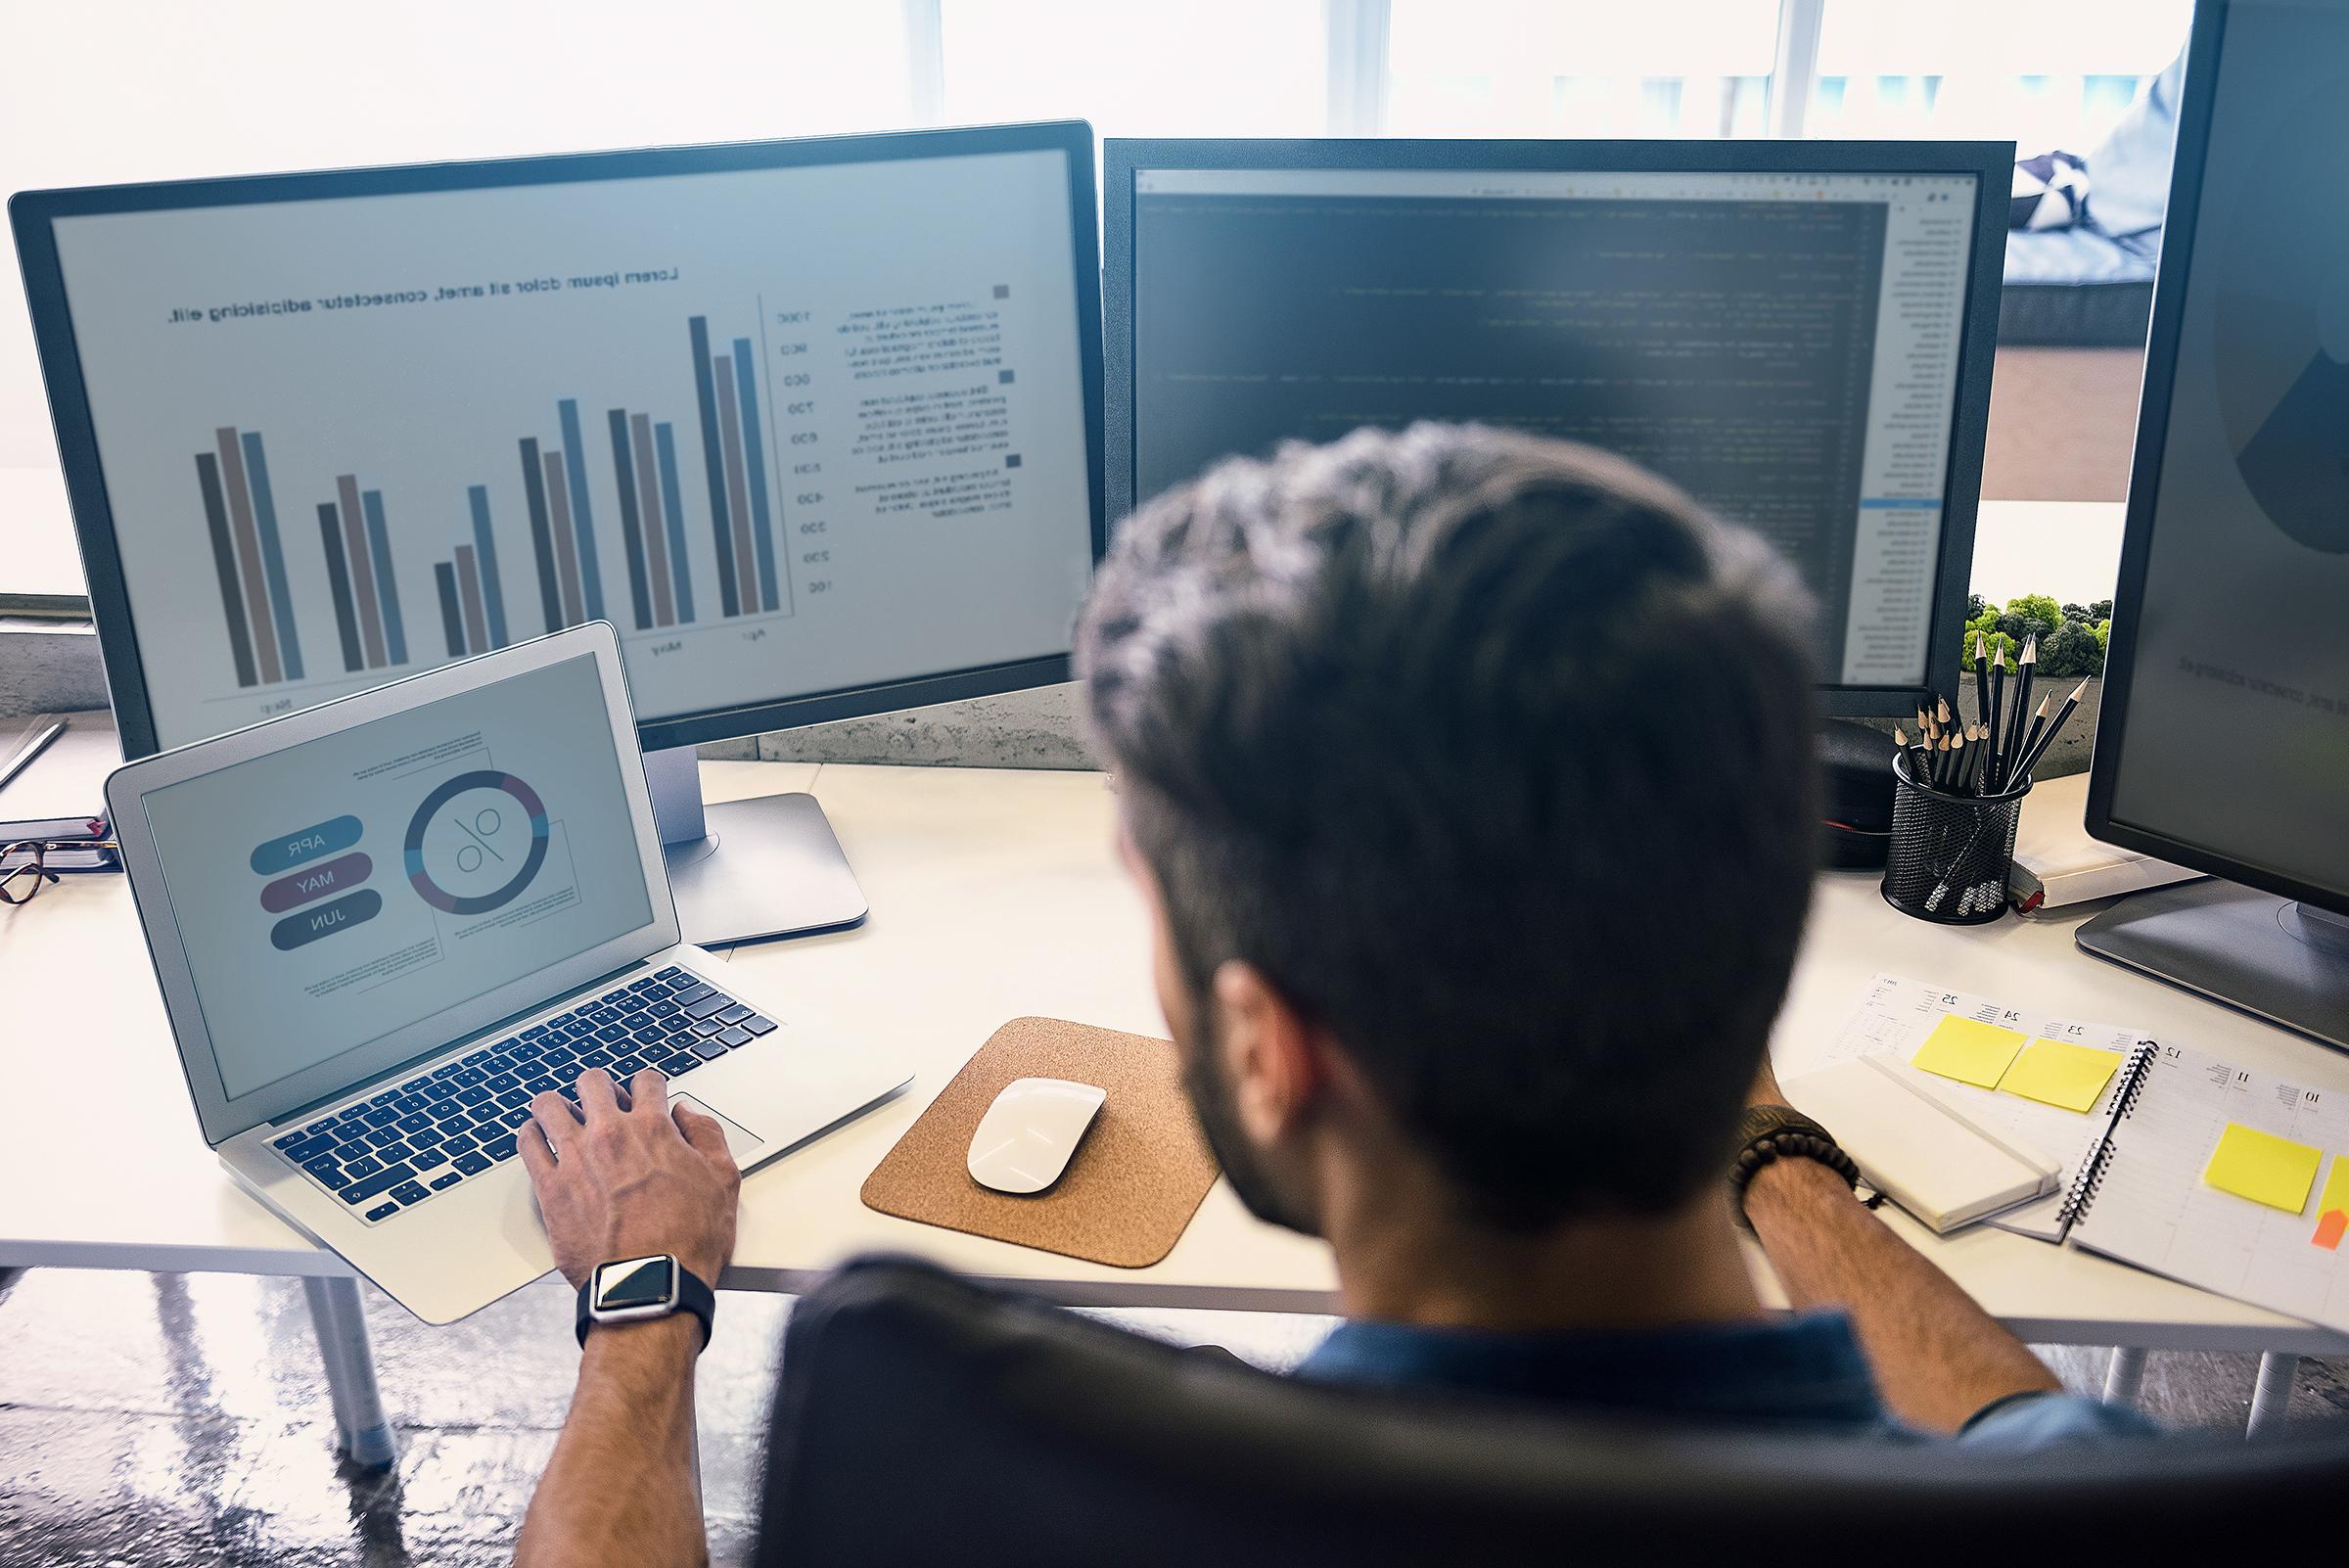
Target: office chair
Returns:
[[924, 1419]]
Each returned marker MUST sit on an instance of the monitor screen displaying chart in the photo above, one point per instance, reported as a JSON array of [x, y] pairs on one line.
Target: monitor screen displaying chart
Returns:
[[757, 419]]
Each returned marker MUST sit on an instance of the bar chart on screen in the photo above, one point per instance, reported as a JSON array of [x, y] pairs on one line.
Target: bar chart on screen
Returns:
[[434, 426]]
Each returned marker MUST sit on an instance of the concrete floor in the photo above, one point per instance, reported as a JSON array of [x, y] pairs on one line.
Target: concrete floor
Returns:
[[182, 1419]]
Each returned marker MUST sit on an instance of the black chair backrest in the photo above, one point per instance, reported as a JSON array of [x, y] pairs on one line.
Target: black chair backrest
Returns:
[[924, 1419]]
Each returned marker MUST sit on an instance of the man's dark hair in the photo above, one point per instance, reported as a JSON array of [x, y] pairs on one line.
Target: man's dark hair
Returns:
[[1493, 755]]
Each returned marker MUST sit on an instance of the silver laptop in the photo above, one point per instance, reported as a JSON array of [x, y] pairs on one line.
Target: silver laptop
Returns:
[[382, 925]]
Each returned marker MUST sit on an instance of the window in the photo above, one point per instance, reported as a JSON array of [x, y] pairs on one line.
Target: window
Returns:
[[88, 97], [2048, 73], [1579, 67], [1203, 68]]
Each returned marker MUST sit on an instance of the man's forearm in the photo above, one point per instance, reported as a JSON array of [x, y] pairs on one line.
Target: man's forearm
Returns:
[[621, 1487], [1937, 1355]]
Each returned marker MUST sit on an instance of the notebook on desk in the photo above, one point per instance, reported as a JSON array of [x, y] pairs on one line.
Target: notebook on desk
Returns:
[[52, 769], [2225, 1177]]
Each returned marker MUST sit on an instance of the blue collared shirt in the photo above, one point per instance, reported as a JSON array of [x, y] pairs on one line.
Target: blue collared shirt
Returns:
[[1794, 1374]]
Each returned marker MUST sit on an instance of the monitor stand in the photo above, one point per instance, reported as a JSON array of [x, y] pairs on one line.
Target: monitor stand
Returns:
[[2285, 963], [746, 870]]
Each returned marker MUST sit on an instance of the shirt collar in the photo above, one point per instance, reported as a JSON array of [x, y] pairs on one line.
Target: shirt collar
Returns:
[[1801, 1370]]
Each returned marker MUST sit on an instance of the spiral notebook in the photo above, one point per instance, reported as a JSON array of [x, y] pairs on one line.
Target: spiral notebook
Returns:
[[2225, 1177], [1897, 1017]]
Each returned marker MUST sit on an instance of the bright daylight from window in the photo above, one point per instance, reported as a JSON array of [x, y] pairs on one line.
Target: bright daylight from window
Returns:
[[441, 84]]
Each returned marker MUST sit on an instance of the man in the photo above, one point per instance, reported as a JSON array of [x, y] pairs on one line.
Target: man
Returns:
[[1467, 778]]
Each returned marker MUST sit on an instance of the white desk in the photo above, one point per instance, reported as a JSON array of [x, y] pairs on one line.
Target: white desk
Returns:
[[995, 895]]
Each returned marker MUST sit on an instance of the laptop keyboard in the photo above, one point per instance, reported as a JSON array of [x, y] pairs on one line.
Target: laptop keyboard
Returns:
[[393, 1150]]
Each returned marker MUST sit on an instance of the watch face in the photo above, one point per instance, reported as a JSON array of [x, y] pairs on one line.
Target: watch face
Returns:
[[635, 1283]]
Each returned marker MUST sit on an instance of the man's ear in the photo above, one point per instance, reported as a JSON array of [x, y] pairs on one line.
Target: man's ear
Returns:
[[1272, 1057]]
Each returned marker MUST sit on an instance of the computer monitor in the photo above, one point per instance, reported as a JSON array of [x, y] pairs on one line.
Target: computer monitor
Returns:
[[814, 424], [2223, 742], [1800, 334]]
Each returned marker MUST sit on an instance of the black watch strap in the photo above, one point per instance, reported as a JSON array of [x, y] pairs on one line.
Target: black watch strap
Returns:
[[693, 1296], [1770, 1132]]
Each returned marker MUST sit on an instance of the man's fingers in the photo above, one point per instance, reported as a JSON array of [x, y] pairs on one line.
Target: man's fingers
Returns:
[[649, 1088], [551, 1113], [534, 1153], [597, 1097], [708, 1139]]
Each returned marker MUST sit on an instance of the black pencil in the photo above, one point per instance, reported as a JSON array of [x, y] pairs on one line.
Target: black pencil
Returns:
[[1998, 693], [2039, 724], [2010, 751], [1981, 677], [2047, 737]]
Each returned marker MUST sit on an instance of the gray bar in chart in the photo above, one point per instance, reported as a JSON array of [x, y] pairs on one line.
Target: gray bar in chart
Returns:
[[567, 552], [362, 570], [273, 553], [648, 501], [249, 555], [469, 594], [738, 500]]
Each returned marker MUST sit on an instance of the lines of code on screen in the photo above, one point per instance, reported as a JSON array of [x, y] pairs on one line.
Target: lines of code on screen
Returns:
[[1726, 344]]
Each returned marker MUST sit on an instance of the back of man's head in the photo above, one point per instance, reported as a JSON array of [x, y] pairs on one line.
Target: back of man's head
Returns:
[[1492, 755]]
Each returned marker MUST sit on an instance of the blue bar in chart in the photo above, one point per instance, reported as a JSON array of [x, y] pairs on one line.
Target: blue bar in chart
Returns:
[[273, 555], [762, 532], [378, 544], [575, 458], [485, 549], [681, 569]]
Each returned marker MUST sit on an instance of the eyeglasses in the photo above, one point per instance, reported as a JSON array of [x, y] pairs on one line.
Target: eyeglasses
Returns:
[[25, 867]]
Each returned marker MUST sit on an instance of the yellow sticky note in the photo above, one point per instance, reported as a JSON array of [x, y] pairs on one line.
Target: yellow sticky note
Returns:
[[2262, 1167], [2056, 1072], [1968, 1050]]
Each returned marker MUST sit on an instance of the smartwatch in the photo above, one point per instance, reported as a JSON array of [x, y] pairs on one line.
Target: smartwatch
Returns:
[[628, 1290]]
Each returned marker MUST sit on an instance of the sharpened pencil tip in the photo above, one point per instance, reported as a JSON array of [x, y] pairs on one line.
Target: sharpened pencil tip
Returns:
[[2079, 691]]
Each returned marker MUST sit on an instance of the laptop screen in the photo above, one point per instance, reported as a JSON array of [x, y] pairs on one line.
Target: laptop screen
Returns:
[[339, 890]]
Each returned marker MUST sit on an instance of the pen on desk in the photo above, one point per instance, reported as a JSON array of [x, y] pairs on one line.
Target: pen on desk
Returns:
[[33, 748], [2005, 753], [2047, 737]]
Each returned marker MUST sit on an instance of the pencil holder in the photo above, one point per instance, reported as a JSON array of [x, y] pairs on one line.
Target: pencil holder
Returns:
[[1950, 854]]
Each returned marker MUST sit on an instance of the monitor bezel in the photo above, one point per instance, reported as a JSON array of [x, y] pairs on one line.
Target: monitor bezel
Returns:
[[2195, 99], [31, 214], [1989, 163]]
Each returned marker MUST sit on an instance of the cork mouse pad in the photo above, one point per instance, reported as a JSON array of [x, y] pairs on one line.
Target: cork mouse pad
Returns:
[[1130, 1189]]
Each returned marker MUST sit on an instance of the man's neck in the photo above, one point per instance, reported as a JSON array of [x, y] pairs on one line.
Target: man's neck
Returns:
[[1418, 1261]]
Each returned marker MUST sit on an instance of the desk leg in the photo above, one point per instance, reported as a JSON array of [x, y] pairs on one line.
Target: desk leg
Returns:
[[361, 1426], [2124, 1374], [2273, 1394]]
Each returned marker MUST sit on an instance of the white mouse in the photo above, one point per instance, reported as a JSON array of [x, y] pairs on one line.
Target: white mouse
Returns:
[[1026, 1137]]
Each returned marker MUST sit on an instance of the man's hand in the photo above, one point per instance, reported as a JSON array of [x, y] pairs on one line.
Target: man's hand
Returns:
[[629, 1183]]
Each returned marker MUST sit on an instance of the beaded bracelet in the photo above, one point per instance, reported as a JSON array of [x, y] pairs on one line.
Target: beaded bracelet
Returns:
[[1780, 1143]]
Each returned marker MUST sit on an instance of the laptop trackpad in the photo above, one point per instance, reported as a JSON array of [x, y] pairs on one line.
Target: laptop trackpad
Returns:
[[741, 1143]]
